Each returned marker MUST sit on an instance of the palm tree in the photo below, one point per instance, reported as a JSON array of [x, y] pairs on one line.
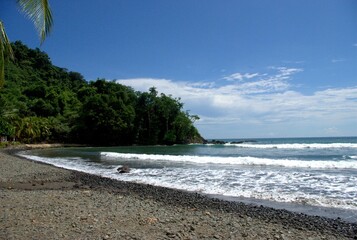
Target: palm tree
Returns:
[[39, 12]]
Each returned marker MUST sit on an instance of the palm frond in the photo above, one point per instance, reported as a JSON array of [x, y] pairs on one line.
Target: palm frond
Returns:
[[39, 12], [5, 51]]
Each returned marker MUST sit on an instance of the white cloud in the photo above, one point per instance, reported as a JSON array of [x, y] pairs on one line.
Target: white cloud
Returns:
[[262, 106], [338, 60], [265, 83], [284, 72], [240, 77]]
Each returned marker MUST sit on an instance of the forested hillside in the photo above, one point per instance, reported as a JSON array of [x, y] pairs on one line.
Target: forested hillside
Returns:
[[44, 103]]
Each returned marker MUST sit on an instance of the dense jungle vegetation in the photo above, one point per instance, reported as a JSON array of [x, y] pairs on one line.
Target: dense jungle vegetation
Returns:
[[41, 102]]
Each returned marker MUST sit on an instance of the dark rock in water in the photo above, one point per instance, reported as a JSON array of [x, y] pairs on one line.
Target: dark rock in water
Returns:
[[215, 142], [123, 169]]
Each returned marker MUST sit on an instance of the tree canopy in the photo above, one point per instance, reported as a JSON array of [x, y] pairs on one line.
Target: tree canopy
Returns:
[[39, 12], [42, 102]]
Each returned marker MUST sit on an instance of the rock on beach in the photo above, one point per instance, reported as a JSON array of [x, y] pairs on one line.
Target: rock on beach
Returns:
[[123, 169]]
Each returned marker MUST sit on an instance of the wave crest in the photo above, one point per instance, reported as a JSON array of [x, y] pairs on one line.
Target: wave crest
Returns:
[[344, 164], [295, 145]]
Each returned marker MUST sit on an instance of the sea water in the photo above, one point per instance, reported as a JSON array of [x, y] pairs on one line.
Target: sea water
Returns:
[[302, 174]]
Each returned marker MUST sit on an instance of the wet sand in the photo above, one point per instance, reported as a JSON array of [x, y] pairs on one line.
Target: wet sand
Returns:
[[39, 201]]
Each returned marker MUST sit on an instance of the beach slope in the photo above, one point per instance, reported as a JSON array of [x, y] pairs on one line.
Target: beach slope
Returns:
[[39, 201]]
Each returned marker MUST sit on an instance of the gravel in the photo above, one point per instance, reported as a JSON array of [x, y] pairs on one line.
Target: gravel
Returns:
[[39, 201]]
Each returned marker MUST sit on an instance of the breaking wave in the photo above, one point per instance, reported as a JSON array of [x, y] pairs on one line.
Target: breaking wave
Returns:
[[327, 164]]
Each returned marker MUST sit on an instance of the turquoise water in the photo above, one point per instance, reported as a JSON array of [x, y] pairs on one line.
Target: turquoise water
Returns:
[[320, 172]]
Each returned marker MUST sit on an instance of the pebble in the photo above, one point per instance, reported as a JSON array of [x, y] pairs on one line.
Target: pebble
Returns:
[[93, 211]]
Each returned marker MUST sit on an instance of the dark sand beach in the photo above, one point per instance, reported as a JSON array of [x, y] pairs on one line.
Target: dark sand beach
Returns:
[[39, 201]]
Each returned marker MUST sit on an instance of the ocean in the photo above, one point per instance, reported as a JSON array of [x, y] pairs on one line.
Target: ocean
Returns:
[[311, 175]]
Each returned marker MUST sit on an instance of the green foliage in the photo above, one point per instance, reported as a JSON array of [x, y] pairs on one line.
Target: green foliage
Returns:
[[5, 128], [42, 102], [39, 12], [107, 114]]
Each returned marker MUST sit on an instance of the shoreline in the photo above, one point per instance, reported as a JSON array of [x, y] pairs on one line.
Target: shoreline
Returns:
[[250, 221], [345, 215]]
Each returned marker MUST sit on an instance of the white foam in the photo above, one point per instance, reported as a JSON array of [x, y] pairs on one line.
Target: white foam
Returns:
[[273, 186], [315, 188], [295, 145], [76, 164], [344, 164]]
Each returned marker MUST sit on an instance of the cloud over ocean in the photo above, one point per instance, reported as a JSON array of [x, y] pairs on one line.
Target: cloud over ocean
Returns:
[[269, 102]]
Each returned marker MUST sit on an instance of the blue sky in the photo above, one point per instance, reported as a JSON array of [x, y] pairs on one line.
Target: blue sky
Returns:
[[248, 68]]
